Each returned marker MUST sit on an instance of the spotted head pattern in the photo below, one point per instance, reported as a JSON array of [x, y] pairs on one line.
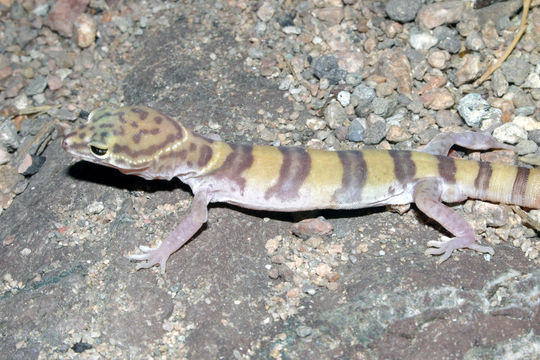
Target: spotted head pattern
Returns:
[[131, 139]]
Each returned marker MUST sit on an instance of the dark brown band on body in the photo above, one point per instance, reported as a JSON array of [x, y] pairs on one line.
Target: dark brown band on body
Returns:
[[238, 161], [447, 169], [481, 183], [520, 186], [354, 176], [404, 166], [294, 170], [205, 154]]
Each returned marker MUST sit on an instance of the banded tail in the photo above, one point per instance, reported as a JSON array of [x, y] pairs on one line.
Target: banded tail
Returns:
[[499, 183]]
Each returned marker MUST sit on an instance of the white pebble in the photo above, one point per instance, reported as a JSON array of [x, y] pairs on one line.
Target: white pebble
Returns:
[[315, 124], [344, 98], [422, 41], [527, 123], [95, 208], [510, 133]]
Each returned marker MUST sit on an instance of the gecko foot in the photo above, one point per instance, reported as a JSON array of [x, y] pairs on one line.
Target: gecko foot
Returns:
[[149, 258], [447, 246]]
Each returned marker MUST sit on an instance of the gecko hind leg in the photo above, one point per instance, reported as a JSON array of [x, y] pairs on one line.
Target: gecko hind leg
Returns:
[[427, 194], [441, 144]]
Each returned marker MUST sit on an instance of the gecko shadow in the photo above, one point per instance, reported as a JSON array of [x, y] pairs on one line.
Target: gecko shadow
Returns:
[[103, 175], [296, 216]]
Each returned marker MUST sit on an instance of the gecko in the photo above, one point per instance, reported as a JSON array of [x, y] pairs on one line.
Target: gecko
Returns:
[[141, 141]]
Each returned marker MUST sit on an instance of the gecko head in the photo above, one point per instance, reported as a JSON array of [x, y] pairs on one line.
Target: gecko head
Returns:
[[130, 139]]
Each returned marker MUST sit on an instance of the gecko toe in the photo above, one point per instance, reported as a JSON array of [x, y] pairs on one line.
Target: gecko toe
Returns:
[[483, 249], [162, 265], [138, 257], [444, 252], [149, 258], [446, 247]]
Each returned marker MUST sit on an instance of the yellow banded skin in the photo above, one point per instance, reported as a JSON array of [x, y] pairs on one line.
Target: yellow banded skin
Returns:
[[141, 141]]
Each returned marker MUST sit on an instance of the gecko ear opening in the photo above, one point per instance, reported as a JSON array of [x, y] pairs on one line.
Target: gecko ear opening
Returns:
[[99, 151]]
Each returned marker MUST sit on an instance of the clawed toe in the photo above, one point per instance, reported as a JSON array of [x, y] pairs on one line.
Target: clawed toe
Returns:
[[483, 249], [447, 247], [149, 258]]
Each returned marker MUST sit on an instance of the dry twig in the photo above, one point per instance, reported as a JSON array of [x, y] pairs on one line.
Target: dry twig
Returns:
[[522, 26]]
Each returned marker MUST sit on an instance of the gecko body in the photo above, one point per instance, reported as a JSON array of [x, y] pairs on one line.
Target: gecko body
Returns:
[[141, 141]]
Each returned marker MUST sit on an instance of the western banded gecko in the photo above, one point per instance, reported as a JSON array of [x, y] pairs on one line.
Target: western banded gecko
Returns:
[[141, 141]]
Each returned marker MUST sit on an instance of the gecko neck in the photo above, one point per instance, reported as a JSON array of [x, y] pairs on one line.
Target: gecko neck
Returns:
[[198, 156]]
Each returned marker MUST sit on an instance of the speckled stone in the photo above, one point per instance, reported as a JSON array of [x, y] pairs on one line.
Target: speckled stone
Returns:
[[9, 139], [335, 115], [402, 10], [448, 39], [422, 40], [475, 110], [469, 70], [327, 67], [499, 83], [36, 86], [516, 70], [510, 133], [356, 131], [446, 12], [375, 130]]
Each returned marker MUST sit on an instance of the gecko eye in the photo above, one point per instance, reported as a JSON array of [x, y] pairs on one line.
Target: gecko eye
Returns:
[[98, 151]]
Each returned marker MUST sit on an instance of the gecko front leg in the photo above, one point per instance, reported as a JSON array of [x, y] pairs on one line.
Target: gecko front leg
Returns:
[[179, 236], [427, 194]]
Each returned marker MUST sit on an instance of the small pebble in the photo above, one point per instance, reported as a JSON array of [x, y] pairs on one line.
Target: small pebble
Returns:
[[525, 147], [4, 156], [95, 208], [510, 133], [403, 10], [445, 12], [448, 39], [438, 59], [332, 15], [527, 123], [344, 98], [9, 139], [469, 70], [315, 124], [294, 30], [515, 70], [303, 331], [85, 30], [36, 86], [475, 110], [327, 67], [375, 130], [266, 11], [335, 115], [364, 94], [384, 106], [499, 83], [532, 82], [356, 130], [474, 41], [422, 41]]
